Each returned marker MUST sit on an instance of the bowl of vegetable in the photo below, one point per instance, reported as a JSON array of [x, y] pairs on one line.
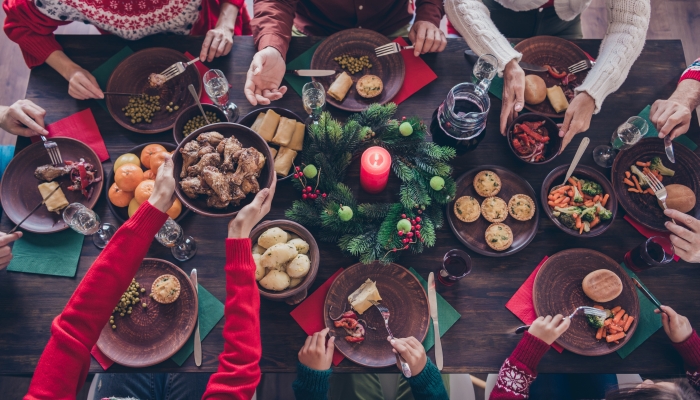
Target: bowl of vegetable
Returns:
[[583, 206], [190, 119], [534, 138]]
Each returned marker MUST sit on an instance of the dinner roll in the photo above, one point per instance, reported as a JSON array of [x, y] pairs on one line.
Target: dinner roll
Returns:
[[535, 89], [602, 285], [679, 197]]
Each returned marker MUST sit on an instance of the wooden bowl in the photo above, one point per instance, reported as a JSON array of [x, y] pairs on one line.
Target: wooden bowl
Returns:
[[471, 234], [19, 192], [249, 119], [299, 293], [557, 52], [248, 138], [152, 335], [644, 208], [556, 177], [356, 43], [557, 290], [191, 112], [131, 76], [401, 293], [552, 148]]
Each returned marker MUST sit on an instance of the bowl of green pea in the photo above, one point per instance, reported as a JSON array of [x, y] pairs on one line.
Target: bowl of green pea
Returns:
[[191, 119]]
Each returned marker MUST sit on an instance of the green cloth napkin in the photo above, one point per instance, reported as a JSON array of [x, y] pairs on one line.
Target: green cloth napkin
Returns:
[[104, 71], [301, 62], [54, 254], [211, 310], [447, 315], [647, 323], [682, 139]]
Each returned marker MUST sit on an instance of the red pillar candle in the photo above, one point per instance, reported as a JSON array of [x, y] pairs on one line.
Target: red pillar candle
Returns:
[[374, 169]]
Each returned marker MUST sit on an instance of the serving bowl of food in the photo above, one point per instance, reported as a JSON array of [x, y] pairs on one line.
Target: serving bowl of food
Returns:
[[191, 119], [534, 138]]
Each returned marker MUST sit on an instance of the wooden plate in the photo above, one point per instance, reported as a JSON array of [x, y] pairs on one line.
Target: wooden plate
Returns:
[[154, 334], [557, 52], [19, 192], [558, 290], [471, 234], [644, 208], [356, 43], [401, 293], [131, 76]]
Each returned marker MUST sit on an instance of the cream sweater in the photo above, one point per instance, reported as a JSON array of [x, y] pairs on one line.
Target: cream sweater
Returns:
[[624, 39]]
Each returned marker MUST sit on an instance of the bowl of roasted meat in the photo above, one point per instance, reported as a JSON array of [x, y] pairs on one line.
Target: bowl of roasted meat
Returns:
[[219, 168], [534, 138]]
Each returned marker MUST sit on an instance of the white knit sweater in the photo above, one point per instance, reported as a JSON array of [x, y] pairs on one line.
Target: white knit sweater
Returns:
[[623, 42]]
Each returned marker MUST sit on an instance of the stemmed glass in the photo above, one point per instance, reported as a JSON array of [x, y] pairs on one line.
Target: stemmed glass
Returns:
[[485, 70], [314, 98], [85, 221], [216, 86], [624, 137], [171, 235]]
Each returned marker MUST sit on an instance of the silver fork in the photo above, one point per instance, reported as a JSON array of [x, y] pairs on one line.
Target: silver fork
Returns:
[[177, 68], [658, 188], [399, 360], [390, 48], [586, 311], [54, 153], [581, 66]]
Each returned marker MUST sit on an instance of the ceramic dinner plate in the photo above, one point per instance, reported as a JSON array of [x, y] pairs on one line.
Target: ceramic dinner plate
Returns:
[[401, 293]]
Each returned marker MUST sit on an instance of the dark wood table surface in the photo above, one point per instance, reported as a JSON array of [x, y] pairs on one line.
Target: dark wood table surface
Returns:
[[481, 340]]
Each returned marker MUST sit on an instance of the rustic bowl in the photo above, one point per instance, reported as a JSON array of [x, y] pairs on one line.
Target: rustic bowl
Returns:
[[191, 112], [299, 293], [556, 177], [553, 147]]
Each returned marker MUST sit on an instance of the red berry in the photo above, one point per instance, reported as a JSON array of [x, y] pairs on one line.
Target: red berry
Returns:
[[318, 191], [403, 118], [304, 196], [417, 219], [315, 196], [394, 249], [296, 176], [418, 227], [324, 195], [420, 212], [400, 233], [297, 168], [409, 234], [406, 241], [417, 233], [403, 216], [308, 189], [413, 228], [413, 222], [301, 174]]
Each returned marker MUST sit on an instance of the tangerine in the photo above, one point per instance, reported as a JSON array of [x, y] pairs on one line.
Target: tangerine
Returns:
[[128, 177], [157, 160], [144, 190], [175, 210], [119, 197], [148, 151], [149, 174]]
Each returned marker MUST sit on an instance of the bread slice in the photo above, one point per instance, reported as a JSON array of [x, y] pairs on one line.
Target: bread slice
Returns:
[[602, 285]]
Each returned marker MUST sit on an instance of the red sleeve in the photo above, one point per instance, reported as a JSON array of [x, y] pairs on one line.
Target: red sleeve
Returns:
[[690, 351], [239, 370], [64, 364], [520, 369], [210, 15], [430, 10], [272, 24], [31, 30], [693, 72]]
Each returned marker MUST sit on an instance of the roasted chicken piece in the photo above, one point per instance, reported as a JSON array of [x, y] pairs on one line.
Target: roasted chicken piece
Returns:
[[250, 185], [211, 159], [230, 148], [190, 156], [250, 162], [213, 138], [236, 194], [48, 172], [215, 202], [194, 186], [206, 149], [156, 80], [217, 182]]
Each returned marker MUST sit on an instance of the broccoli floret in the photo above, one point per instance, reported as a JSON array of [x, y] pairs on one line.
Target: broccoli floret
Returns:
[[588, 214], [578, 197], [643, 180], [586, 226], [595, 321], [567, 220], [603, 213], [591, 188], [569, 210], [658, 166]]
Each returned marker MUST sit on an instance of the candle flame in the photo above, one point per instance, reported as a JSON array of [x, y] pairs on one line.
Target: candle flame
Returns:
[[376, 159]]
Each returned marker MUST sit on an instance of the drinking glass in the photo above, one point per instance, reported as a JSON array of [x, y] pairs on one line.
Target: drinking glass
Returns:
[[653, 252], [171, 235], [456, 264], [624, 137], [216, 86], [85, 221], [314, 98]]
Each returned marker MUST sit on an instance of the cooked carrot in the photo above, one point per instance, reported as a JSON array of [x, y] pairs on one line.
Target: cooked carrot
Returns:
[[579, 223], [580, 230], [579, 186], [598, 306], [633, 190], [605, 199], [589, 203], [595, 221], [562, 189], [643, 164], [628, 174], [636, 183], [613, 329], [596, 198], [607, 322], [628, 182], [624, 319], [628, 323], [551, 203], [617, 336], [570, 193], [599, 334], [615, 310], [618, 316]]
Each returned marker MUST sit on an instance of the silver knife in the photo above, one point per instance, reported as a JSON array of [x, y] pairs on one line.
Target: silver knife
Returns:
[[311, 72], [197, 339], [432, 299], [668, 144], [472, 57]]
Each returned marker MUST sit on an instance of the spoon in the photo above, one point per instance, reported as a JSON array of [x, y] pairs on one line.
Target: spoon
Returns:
[[574, 162], [196, 98]]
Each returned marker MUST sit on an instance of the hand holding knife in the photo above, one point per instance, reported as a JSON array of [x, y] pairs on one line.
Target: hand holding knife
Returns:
[[432, 300], [668, 145]]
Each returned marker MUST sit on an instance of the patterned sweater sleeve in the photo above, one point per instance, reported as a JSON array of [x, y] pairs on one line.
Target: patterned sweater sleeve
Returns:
[[690, 351], [693, 72], [520, 369]]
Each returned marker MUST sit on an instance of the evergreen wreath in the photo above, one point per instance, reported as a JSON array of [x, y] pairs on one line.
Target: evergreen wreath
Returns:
[[371, 233]]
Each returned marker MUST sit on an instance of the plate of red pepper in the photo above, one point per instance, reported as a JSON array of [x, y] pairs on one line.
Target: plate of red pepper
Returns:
[[534, 138]]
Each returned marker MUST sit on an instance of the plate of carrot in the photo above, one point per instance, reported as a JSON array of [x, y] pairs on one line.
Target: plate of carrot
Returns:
[[614, 327]]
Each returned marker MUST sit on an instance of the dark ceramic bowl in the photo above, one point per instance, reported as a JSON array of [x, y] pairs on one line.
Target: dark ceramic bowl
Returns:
[[553, 147], [191, 112]]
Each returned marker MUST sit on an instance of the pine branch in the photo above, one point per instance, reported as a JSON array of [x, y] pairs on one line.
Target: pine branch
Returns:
[[374, 211], [303, 213]]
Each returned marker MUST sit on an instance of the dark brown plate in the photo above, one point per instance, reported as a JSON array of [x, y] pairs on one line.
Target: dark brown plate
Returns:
[[558, 290], [471, 234], [192, 111], [401, 293], [19, 192], [356, 43], [556, 177], [557, 52], [131, 76], [248, 138], [644, 208], [552, 147], [154, 334]]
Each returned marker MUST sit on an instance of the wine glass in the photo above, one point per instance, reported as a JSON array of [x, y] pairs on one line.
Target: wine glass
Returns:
[[85, 221], [485, 70], [171, 235], [216, 86], [624, 137], [314, 98]]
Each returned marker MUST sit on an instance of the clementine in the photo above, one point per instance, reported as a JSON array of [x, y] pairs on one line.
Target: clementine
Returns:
[[175, 210], [128, 176], [148, 151], [157, 160], [119, 197], [144, 190], [149, 174]]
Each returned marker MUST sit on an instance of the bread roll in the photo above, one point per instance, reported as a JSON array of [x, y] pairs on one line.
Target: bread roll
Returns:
[[283, 161], [558, 99], [340, 86], [258, 121], [297, 142], [268, 127], [602, 285], [285, 131], [535, 89], [679, 197]]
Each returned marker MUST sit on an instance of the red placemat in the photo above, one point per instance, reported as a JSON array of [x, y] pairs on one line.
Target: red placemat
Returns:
[[80, 126], [102, 359], [203, 98], [418, 74], [648, 232]]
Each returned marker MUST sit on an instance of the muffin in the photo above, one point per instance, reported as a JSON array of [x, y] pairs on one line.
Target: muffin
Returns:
[[467, 209], [165, 289], [487, 183], [494, 209], [499, 236], [369, 86], [521, 207], [602, 285]]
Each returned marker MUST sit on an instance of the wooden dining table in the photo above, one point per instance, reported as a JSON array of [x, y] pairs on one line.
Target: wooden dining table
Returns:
[[481, 339]]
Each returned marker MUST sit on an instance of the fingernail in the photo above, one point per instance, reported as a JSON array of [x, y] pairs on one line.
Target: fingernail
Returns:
[[561, 133], [393, 341], [518, 107]]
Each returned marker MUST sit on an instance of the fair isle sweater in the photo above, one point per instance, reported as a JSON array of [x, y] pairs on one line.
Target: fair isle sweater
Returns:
[[623, 42], [692, 72]]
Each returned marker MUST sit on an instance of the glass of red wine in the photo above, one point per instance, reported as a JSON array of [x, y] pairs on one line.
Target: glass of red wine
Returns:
[[654, 252], [455, 265]]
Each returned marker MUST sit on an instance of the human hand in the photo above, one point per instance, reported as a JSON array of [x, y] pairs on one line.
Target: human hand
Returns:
[[412, 351], [163, 195], [676, 326], [23, 118], [82, 85], [686, 240], [264, 77], [251, 214], [578, 117], [316, 353], [427, 38], [513, 93], [5, 250], [217, 43], [670, 117], [548, 329]]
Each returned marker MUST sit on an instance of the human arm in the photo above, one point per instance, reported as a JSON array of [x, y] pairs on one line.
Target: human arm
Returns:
[[672, 116], [5, 249], [685, 239], [23, 118], [219, 40], [685, 340], [425, 33], [314, 367], [81, 84], [426, 382]]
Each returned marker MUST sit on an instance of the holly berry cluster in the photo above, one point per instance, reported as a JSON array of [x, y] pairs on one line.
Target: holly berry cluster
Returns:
[[409, 231], [309, 193]]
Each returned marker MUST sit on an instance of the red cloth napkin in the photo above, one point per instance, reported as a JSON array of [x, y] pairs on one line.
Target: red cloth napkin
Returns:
[[101, 358], [521, 303], [648, 232], [203, 98], [309, 314], [80, 126], [418, 74]]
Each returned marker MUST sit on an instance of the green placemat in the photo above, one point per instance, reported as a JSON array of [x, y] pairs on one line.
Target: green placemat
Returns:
[[104, 71], [53, 254], [682, 139], [447, 315], [301, 62], [647, 323], [211, 310]]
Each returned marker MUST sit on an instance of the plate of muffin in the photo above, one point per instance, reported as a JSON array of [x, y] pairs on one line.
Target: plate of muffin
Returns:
[[494, 212]]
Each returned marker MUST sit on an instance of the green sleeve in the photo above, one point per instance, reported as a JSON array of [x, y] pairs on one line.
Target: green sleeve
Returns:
[[428, 384], [312, 384]]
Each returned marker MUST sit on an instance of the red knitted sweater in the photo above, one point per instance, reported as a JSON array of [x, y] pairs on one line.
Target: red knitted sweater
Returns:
[[692, 72]]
